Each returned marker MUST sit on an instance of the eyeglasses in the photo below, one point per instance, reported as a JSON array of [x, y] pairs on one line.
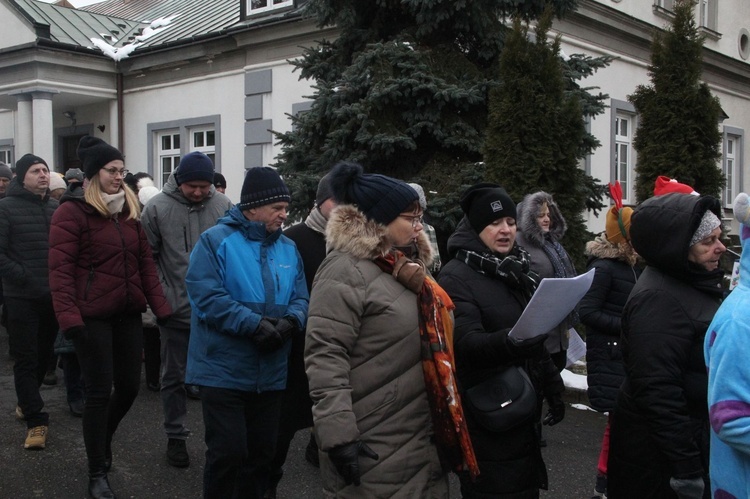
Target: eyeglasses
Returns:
[[415, 219], [114, 171]]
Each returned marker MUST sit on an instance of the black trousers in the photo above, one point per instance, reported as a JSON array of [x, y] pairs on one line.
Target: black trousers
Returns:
[[32, 328], [110, 355], [241, 431]]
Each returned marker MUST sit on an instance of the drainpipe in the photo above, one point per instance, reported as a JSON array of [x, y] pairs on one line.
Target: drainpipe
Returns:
[[120, 120]]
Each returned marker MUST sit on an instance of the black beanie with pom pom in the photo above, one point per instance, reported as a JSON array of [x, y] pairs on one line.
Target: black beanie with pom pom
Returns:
[[379, 197]]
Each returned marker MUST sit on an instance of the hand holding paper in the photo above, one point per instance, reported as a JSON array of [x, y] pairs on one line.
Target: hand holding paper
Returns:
[[553, 300]]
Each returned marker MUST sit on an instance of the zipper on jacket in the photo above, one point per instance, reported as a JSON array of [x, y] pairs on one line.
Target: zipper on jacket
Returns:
[[184, 238], [125, 259], [88, 283]]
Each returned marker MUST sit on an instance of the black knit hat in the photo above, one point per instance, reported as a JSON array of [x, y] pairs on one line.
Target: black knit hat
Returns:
[[324, 190], [262, 186], [194, 166], [379, 197], [26, 162], [219, 180], [94, 153], [484, 203]]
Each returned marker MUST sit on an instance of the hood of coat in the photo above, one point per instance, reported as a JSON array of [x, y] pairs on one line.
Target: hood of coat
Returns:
[[529, 208], [254, 231], [600, 247], [74, 192], [172, 190], [464, 237], [661, 229], [350, 231]]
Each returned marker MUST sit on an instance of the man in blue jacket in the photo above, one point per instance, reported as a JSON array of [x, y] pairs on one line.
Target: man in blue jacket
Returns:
[[248, 293]]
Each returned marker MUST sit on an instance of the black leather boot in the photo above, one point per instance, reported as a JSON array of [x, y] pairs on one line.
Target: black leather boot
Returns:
[[99, 486]]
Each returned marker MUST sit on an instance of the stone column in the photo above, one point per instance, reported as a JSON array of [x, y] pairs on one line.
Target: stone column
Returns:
[[43, 131], [24, 141]]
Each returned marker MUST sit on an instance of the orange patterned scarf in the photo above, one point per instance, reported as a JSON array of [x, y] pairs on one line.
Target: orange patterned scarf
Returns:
[[438, 365]]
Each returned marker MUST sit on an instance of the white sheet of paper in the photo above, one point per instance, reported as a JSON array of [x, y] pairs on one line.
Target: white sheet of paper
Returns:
[[553, 300], [576, 347]]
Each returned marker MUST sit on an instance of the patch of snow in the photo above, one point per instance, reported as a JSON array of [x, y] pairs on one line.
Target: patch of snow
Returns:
[[120, 53], [574, 381], [583, 407], [115, 53]]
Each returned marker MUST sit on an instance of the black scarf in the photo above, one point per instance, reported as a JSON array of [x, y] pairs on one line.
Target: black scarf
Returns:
[[513, 269]]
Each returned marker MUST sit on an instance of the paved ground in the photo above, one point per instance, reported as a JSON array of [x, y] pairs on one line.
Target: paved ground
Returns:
[[140, 469]]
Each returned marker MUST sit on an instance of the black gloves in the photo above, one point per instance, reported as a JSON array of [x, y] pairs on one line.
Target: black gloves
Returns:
[[287, 327], [162, 321], [76, 333], [266, 337], [556, 411], [528, 348], [346, 459], [687, 488]]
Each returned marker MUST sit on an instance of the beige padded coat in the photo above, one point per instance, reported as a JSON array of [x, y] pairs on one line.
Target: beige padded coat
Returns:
[[362, 358]]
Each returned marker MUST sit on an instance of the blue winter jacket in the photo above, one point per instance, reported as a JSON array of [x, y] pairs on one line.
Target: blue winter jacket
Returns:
[[237, 275]]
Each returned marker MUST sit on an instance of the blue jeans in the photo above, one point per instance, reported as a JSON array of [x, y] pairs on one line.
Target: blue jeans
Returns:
[[174, 349], [241, 431], [109, 354], [73, 379], [32, 328]]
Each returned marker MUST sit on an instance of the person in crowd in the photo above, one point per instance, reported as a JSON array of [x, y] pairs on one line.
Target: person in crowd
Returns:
[[541, 227], [6, 175], [102, 277], [249, 298], [26, 213], [490, 280], [429, 231], [220, 183], [296, 411], [142, 184], [617, 270], [371, 300], [659, 434], [174, 220], [74, 175], [57, 185], [725, 351]]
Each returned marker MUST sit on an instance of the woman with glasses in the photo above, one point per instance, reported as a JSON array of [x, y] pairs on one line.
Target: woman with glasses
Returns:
[[363, 355], [102, 275]]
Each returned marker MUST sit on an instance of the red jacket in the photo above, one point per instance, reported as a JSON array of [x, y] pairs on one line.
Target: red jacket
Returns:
[[100, 266]]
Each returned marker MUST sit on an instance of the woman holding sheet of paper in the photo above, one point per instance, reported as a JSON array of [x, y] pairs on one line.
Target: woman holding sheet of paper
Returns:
[[659, 435], [490, 283]]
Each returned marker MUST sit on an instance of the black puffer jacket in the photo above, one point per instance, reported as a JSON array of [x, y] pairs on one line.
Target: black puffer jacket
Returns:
[[600, 311], [660, 423], [25, 220], [510, 463]]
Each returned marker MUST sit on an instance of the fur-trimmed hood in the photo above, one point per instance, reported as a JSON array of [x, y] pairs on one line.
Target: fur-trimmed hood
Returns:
[[351, 232], [527, 212], [600, 247]]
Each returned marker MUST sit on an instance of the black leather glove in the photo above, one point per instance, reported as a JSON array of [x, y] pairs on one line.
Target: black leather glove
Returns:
[[76, 333], [346, 459], [162, 321], [528, 348], [687, 488], [265, 337], [287, 327], [556, 412]]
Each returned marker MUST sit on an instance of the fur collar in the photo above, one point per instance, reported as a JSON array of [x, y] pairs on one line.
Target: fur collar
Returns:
[[527, 212], [601, 248], [350, 231]]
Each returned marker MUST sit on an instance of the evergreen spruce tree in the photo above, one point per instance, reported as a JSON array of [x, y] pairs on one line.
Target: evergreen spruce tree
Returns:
[[402, 90], [536, 133], [678, 130]]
